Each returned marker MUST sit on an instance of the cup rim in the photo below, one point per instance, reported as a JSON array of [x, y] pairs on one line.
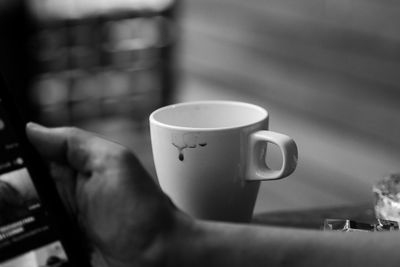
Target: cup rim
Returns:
[[154, 121]]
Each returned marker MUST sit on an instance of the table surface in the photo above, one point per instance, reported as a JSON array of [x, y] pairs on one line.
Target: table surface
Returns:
[[314, 218]]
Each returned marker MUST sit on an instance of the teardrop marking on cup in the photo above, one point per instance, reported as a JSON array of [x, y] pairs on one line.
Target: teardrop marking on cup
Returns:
[[181, 157]]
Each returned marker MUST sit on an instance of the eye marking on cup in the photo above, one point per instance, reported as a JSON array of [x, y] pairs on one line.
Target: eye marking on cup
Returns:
[[187, 140]]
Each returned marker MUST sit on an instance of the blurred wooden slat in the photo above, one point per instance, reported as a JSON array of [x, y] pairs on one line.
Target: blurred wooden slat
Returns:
[[377, 18], [352, 54], [308, 39]]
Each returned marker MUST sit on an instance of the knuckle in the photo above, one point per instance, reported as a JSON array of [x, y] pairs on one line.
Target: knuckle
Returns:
[[124, 153], [73, 137], [125, 156], [73, 132]]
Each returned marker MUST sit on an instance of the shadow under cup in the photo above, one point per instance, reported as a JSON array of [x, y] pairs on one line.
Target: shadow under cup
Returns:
[[210, 156]]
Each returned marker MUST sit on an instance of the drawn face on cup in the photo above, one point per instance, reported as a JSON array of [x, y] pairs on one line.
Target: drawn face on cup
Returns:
[[210, 156]]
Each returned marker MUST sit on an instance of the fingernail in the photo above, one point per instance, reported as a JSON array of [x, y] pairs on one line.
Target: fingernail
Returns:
[[33, 125]]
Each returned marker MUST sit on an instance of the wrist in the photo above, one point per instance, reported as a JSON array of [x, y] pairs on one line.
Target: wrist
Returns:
[[179, 244]]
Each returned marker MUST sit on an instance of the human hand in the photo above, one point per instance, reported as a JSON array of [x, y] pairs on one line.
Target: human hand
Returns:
[[124, 214]]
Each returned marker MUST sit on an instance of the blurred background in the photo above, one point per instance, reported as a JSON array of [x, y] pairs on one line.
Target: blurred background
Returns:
[[326, 70]]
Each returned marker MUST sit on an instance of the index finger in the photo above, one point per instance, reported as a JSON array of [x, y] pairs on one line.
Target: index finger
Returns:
[[65, 145]]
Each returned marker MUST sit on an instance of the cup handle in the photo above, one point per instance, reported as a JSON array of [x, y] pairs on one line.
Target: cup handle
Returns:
[[257, 168]]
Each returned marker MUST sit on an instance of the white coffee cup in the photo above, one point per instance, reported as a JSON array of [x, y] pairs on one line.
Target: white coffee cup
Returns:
[[210, 156]]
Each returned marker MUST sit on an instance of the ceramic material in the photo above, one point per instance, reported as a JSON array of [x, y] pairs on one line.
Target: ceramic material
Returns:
[[210, 156]]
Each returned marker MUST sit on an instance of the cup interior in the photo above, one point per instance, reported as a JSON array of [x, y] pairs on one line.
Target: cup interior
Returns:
[[209, 114]]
